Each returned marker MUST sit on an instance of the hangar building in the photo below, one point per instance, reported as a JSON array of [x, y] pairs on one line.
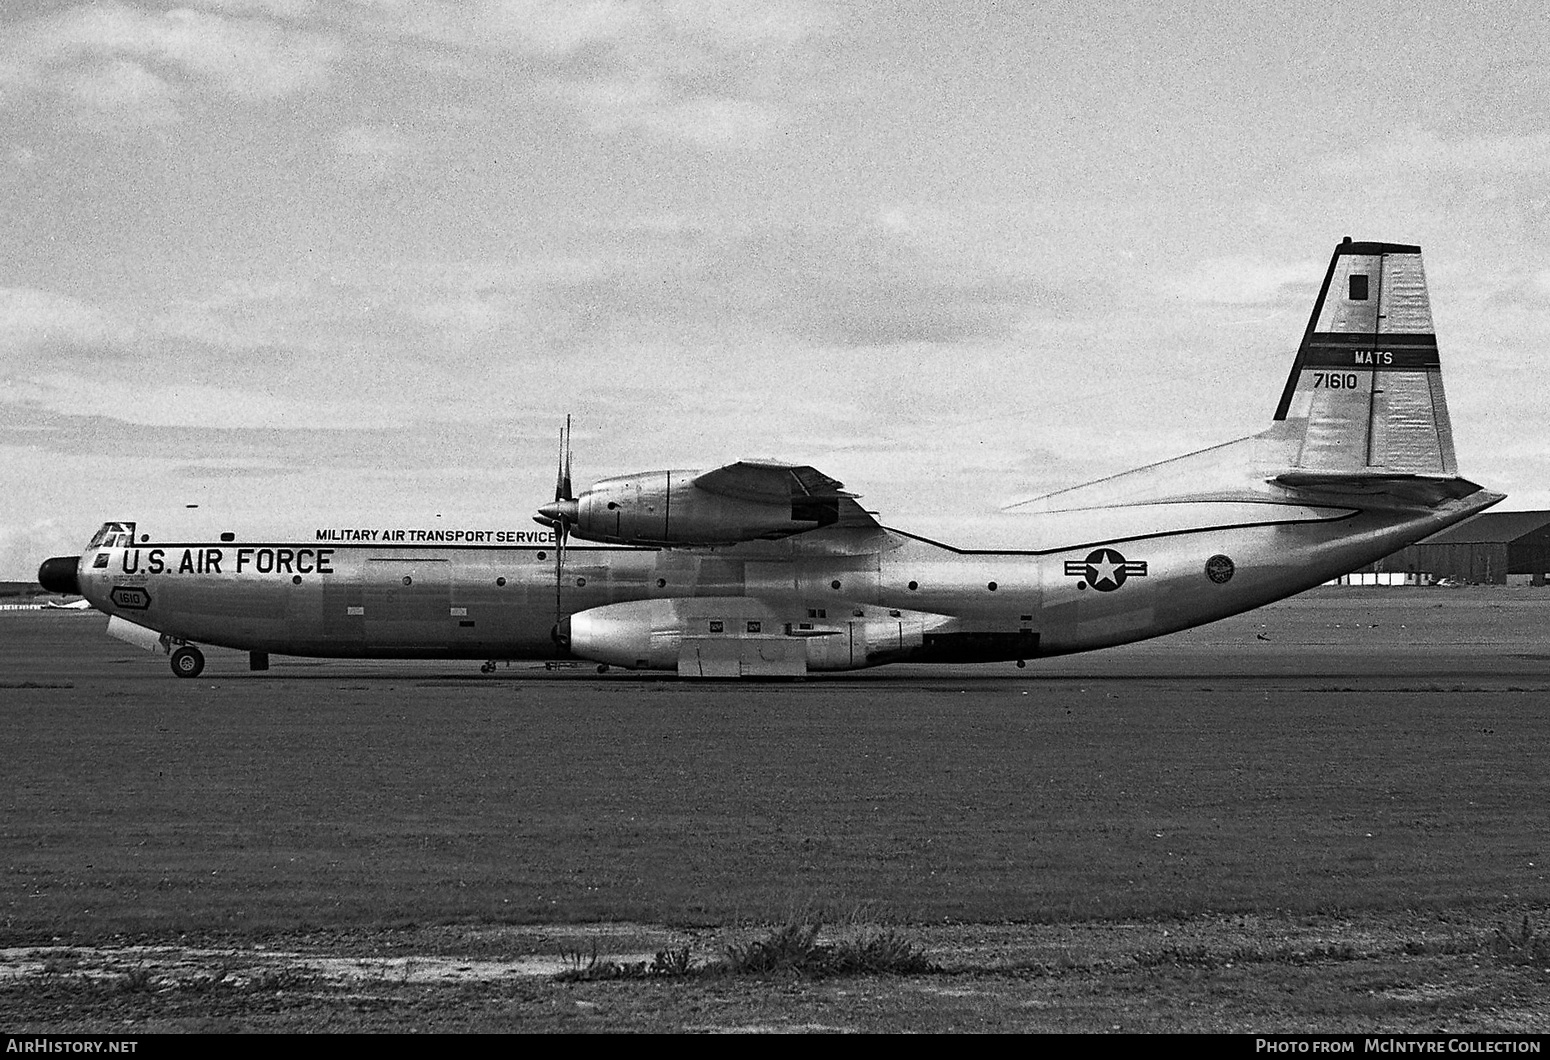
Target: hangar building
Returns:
[[1493, 548]]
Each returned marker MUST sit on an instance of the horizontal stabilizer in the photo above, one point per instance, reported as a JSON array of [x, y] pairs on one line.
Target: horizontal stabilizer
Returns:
[[1407, 489]]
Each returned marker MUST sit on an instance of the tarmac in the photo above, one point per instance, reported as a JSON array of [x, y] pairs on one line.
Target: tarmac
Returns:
[[1361, 754]]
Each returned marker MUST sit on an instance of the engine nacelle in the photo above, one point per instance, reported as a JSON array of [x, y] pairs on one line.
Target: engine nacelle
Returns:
[[649, 634], [741, 636], [667, 508]]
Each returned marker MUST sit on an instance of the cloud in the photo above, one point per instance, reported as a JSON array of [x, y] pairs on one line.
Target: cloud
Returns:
[[293, 9], [31, 319], [122, 66], [861, 282], [24, 545], [370, 155], [186, 402], [1423, 150], [656, 282], [122, 96], [718, 75], [63, 354], [1242, 280], [634, 102], [721, 74]]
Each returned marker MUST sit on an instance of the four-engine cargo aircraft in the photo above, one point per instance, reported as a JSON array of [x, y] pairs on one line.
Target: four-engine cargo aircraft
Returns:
[[758, 569]]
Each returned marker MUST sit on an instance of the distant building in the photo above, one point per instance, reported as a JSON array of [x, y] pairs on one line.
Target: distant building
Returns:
[[1493, 548]]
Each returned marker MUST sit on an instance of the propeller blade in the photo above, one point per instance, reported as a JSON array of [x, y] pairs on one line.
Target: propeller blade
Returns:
[[562, 487], [560, 516], [561, 531], [559, 471], [565, 486]]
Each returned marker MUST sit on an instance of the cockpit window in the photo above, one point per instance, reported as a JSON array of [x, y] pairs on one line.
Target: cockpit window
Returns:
[[114, 535]]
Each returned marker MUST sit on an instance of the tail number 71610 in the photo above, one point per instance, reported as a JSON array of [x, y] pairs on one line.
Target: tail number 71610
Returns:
[[1334, 380]]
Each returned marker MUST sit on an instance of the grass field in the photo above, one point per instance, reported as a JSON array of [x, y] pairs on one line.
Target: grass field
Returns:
[[1328, 814]]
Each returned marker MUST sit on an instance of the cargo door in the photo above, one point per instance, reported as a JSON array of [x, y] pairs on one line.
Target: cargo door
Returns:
[[407, 603]]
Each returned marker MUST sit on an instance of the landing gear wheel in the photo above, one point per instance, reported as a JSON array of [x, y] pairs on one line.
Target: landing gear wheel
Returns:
[[188, 661], [487, 668]]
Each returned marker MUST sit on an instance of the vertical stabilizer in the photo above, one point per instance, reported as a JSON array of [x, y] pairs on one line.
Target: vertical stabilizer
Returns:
[[1366, 388]]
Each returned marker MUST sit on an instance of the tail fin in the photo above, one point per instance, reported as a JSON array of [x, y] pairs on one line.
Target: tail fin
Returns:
[[1366, 387]]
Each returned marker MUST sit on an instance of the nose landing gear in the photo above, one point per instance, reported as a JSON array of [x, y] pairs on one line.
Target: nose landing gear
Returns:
[[188, 661]]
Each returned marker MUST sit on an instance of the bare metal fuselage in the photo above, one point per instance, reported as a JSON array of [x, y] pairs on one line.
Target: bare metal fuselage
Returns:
[[888, 597]]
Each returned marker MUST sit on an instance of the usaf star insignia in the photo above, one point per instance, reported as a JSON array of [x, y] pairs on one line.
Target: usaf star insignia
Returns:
[[1105, 569]]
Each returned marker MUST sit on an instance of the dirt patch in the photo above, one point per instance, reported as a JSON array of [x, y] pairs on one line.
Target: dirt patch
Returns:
[[1211, 973]]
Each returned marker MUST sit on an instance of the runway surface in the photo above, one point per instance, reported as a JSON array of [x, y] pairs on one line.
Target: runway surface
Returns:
[[1351, 764]]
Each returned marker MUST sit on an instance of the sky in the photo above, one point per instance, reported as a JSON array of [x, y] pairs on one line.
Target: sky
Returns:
[[353, 262]]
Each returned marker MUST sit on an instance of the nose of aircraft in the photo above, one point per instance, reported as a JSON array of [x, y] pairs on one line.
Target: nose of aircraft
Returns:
[[58, 575]]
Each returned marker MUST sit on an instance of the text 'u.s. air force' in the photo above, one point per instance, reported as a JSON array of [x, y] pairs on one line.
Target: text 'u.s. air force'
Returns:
[[229, 561]]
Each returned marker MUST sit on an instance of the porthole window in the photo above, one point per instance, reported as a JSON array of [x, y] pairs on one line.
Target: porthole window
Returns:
[[914, 586], [295, 579], [500, 581], [408, 580], [835, 584], [661, 583], [543, 555], [581, 583], [991, 586]]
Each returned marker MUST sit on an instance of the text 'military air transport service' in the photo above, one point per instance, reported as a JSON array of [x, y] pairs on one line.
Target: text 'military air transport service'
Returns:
[[763, 570]]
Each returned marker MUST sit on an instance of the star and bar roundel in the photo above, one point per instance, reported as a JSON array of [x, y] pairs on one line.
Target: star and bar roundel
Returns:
[[1105, 569]]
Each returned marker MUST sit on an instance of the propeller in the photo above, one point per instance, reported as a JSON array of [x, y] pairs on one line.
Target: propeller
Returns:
[[560, 516]]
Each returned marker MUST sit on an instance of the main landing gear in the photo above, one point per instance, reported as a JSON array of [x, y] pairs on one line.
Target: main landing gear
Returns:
[[488, 668], [188, 661]]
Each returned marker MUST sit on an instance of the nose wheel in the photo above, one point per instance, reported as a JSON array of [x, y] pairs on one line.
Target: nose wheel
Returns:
[[188, 661]]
